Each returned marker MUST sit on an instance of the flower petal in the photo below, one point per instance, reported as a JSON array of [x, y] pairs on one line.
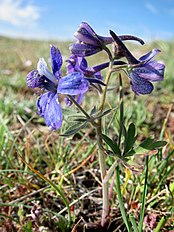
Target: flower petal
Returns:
[[42, 102], [34, 80], [53, 114], [140, 85], [56, 59], [44, 71], [49, 108], [147, 57], [73, 84], [152, 71], [86, 34], [82, 50]]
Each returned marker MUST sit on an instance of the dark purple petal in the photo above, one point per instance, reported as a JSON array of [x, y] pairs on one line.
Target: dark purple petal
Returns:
[[49, 109], [34, 80], [86, 34], [73, 84], [131, 37], [95, 69], [147, 57], [109, 40], [53, 113], [42, 102], [82, 50], [140, 85], [56, 59], [152, 71], [82, 63], [144, 88], [74, 64]]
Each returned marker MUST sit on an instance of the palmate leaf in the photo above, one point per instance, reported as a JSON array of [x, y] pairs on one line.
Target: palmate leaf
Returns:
[[74, 129], [112, 144]]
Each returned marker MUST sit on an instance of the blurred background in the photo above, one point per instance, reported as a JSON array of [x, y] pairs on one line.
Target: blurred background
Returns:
[[43, 19], [27, 28]]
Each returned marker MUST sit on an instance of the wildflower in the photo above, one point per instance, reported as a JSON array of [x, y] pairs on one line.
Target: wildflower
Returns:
[[148, 70], [90, 43], [92, 74], [53, 84], [142, 71]]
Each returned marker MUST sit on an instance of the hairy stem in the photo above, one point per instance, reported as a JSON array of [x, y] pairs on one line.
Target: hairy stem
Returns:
[[102, 162], [105, 189]]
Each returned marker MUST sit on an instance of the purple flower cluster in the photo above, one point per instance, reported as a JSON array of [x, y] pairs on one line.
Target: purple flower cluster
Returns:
[[79, 76]]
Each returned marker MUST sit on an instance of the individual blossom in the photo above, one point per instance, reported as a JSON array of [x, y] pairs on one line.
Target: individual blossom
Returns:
[[52, 84], [148, 71], [90, 43], [142, 71], [92, 74]]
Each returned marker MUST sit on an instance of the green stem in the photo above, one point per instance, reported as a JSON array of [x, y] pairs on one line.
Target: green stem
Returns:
[[144, 196], [121, 110], [105, 187], [102, 162], [103, 97], [80, 108]]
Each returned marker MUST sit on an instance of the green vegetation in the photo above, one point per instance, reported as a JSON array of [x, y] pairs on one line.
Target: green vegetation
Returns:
[[28, 201]]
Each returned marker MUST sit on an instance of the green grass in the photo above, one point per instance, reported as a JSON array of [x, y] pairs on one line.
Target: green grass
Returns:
[[71, 164]]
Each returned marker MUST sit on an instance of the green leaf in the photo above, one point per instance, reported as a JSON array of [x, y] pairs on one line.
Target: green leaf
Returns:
[[74, 129], [146, 143], [130, 153], [131, 130], [80, 119], [130, 137], [93, 111], [156, 145], [150, 144], [112, 144], [100, 115]]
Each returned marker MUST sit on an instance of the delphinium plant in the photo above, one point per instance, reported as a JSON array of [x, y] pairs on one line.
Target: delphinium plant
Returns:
[[75, 84]]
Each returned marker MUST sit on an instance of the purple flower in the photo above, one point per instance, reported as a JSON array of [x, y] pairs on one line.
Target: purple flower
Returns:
[[142, 71], [53, 84], [90, 43], [92, 75], [148, 70]]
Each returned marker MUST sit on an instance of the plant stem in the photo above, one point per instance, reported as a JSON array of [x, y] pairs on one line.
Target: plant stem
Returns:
[[105, 187], [80, 108], [103, 97], [102, 162], [121, 110]]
